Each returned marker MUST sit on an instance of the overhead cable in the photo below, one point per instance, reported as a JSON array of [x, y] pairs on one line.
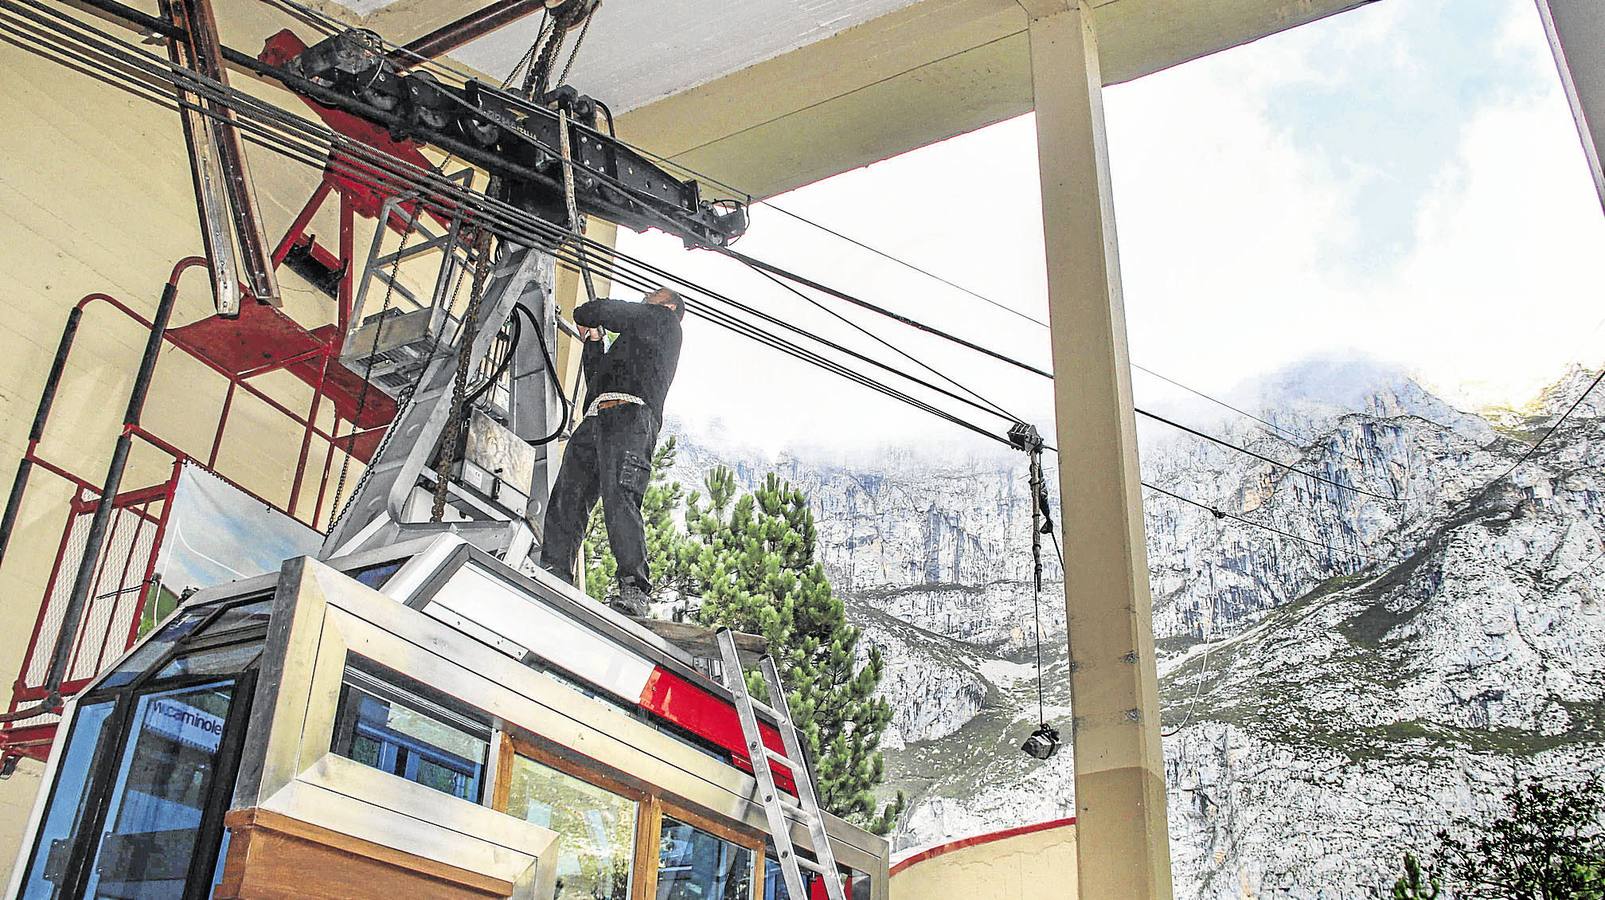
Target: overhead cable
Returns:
[[470, 153], [518, 226], [329, 25], [893, 347], [1219, 513], [1545, 436]]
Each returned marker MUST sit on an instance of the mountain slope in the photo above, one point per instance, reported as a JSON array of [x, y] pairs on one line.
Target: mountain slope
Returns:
[[1335, 696]]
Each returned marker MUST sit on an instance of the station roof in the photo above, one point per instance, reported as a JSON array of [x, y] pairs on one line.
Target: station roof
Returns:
[[773, 94]]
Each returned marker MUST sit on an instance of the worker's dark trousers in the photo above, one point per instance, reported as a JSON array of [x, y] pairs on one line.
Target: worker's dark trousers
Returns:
[[609, 456]]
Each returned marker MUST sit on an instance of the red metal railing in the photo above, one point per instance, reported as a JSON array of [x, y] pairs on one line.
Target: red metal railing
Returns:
[[125, 571]]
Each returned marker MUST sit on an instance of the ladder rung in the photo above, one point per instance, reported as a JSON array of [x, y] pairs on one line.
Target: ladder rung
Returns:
[[769, 711], [806, 863], [783, 759]]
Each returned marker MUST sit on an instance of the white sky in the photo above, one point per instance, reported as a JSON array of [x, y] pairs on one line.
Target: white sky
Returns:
[[1403, 182]]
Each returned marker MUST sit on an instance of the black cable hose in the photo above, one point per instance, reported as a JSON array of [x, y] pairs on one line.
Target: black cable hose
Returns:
[[557, 380], [506, 362]]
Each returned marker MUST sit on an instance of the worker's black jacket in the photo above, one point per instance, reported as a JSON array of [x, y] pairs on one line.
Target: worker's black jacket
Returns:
[[643, 358]]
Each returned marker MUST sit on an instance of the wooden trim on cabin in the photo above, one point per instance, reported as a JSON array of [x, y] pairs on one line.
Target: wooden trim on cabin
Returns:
[[504, 772], [273, 855], [740, 835], [652, 804], [646, 849], [582, 767], [716, 826]]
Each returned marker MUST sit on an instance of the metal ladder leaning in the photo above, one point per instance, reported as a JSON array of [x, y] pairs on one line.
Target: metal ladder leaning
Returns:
[[776, 804]]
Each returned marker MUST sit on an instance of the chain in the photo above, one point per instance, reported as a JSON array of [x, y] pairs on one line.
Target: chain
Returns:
[[529, 55], [1038, 494], [572, 54], [466, 334], [536, 78]]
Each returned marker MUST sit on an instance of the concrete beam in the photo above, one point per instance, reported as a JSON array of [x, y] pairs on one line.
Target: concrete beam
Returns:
[[1123, 850], [1576, 31], [923, 73]]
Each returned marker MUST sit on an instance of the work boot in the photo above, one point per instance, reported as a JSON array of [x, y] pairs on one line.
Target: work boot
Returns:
[[631, 600]]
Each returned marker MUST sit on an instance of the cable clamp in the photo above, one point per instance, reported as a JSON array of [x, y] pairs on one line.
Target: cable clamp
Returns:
[[1024, 436]]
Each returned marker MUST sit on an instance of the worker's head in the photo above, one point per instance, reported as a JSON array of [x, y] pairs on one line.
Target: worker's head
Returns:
[[668, 298]]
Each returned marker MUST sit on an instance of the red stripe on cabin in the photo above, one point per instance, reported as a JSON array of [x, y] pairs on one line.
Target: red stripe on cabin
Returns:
[[710, 717]]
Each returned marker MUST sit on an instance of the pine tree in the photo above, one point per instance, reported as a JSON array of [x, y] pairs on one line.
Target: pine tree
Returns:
[[658, 507], [1549, 845], [1416, 884], [752, 561]]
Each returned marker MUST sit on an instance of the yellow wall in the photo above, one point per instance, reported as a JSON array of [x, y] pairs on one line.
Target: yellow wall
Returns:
[[1038, 865], [96, 196]]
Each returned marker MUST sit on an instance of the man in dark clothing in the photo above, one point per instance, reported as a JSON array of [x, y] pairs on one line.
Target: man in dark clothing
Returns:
[[610, 454]]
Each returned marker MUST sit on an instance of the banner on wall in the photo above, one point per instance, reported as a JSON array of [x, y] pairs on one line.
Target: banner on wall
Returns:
[[217, 533]]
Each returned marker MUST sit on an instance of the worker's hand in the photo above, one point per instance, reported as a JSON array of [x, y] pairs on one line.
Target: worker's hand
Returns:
[[590, 334]]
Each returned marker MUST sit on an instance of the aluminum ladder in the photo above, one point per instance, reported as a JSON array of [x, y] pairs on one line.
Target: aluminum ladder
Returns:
[[777, 806]]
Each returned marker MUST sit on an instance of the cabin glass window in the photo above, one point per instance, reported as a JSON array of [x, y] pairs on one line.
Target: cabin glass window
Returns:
[[595, 829], [163, 784], [696, 865], [154, 649], [375, 576], [67, 804], [225, 660], [241, 615], [387, 728]]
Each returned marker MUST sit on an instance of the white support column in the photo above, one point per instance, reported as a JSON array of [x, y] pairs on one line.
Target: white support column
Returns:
[[1576, 30], [1122, 838]]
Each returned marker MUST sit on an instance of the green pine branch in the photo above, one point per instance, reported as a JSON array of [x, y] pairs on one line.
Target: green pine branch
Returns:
[[752, 560]]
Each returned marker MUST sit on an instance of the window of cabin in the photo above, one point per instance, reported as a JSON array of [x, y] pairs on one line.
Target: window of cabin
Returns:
[[161, 793], [596, 828], [394, 730], [855, 885], [694, 864]]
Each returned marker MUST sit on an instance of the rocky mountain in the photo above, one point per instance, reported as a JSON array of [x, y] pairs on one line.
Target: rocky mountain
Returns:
[[1338, 684]]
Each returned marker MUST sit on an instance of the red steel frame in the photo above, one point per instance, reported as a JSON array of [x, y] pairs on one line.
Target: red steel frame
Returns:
[[258, 334], [137, 504], [317, 365], [34, 739]]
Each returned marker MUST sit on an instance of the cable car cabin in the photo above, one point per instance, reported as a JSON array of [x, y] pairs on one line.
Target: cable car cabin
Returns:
[[415, 722]]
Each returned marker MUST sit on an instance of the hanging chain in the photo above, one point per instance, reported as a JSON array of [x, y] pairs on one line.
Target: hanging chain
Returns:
[[467, 332], [573, 54], [529, 55], [1038, 495], [537, 78]]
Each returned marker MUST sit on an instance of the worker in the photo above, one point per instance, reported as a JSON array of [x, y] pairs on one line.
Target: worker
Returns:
[[610, 454]]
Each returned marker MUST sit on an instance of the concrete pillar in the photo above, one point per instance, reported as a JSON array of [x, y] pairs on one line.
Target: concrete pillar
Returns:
[[1576, 30], [1123, 850]]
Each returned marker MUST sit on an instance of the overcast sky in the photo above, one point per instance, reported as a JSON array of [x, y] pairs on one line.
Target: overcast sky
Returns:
[[1402, 182]]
